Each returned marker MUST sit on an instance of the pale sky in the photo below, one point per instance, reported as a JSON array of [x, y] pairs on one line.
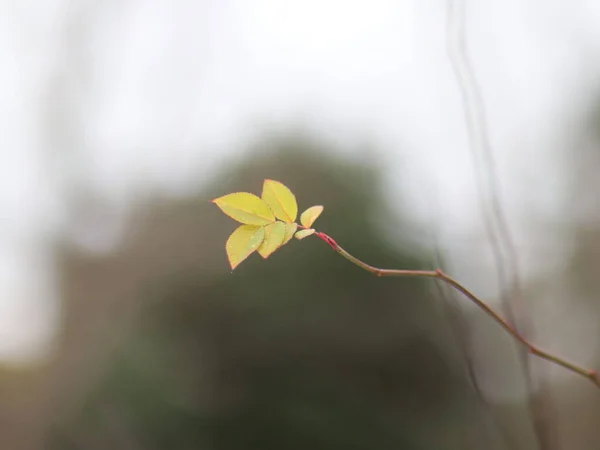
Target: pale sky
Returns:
[[170, 88]]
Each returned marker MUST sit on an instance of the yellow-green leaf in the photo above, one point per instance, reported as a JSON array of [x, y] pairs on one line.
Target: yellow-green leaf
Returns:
[[304, 233], [308, 217], [290, 229], [243, 242], [281, 200], [245, 208], [274, 235]]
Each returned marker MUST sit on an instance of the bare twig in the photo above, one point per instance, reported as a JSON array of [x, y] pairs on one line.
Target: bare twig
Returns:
[[477, 133], [591, 375], [495, 222], [460, 328]]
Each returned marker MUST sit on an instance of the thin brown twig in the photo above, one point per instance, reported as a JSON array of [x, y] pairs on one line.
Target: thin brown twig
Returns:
[[477, 133], [459, 326], [590, 374], [496, 225]]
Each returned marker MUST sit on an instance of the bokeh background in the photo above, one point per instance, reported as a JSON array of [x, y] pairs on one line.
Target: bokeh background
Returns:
[[121, 324]]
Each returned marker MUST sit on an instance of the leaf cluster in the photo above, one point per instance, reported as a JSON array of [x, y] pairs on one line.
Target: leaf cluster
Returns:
[[268, 222]]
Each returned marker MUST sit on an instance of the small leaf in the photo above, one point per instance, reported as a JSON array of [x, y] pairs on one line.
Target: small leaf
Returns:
[[245, 208], [281, 200], [290, 229], [243, 242], [304, 233], [274, 235], [309, 216]]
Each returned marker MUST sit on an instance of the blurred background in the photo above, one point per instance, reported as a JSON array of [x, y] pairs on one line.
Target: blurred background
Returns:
[[121, 324]]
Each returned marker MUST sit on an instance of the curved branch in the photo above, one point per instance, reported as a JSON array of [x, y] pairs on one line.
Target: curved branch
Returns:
[[591, 375]]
